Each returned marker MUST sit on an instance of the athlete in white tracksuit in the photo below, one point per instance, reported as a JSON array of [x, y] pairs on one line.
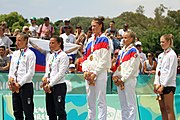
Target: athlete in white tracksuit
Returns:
[[97, 59], [129, 61]]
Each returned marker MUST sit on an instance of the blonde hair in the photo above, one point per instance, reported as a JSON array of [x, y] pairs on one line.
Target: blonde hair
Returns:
[[132, 35], [168, 37]]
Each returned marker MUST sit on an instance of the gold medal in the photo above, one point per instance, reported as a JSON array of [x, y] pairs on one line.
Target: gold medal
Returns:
[[119, 68], [91, 58]]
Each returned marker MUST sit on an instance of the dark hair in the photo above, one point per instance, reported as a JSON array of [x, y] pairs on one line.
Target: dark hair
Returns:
[[151, 53], [100, 22], [67, 26], [90, 28], [46, 19], [2, 46], [78, 27], [59, 40], [112, 21]]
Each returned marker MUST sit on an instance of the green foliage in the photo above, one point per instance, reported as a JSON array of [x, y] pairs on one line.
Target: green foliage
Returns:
[[84, 22], [140, 9], [14, 20], [148, 30]]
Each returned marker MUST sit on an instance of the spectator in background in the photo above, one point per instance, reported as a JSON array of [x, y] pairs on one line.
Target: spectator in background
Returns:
[[80, 36], [72, 68], [4, 60], [25, 30], [88, 35], [121, 32], [78, 31], [4, 40], [178, 68], [47, 53], [6, 29], [71, 60], [156, 55], [112, 28], [66, 23], [33, 28], [68, 37], [47, 34], [79, 60], [150, 64], [125, 29], [44, 27], [142, 56], [115, 41], [16, 32], [113, 60]]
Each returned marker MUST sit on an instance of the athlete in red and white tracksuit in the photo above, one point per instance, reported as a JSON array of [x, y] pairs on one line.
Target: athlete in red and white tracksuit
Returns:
[[99, 48], [129, 61]]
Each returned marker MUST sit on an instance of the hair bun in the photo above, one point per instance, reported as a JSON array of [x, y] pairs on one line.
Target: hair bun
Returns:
[[171, 36], [101, 18]]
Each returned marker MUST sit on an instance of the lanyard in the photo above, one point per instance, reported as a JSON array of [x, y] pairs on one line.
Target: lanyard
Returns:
[[52, 61], [18, 62], [160, 62]]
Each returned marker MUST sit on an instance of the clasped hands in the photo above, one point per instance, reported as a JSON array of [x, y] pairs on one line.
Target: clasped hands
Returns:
[[158, 89], [118, 82], [13, 86], [90, 77], [45, 85]]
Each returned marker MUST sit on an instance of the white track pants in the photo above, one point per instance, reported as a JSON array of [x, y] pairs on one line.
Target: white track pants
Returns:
[[128, 100], [97, 92]]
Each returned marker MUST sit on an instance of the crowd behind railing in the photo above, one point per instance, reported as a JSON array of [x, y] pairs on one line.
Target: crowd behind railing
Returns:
[[78, 36]]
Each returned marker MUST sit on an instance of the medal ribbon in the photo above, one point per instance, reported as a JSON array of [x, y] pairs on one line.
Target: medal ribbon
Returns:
[[18, 62], [51, 62], [160, 62]]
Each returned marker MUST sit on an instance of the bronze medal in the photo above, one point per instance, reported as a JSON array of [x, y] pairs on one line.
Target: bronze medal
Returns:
[[91, 57], [159, 73]]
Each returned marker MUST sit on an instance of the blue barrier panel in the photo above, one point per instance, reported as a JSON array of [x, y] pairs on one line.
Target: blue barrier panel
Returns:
[[149, 108], [75, 83], [145, 85], [1, 108], [76, 107]]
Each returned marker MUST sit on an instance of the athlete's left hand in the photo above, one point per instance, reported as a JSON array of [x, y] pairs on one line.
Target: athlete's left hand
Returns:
[[118, 82], [160, 90]]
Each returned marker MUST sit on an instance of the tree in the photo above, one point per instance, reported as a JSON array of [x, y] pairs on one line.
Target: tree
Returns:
[[140, 9], [14, 18], [159, 18]]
